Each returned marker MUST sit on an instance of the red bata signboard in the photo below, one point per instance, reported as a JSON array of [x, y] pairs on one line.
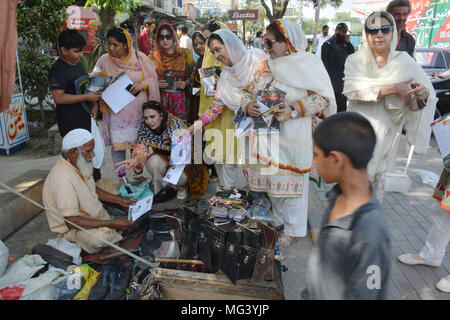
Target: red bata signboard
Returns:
[[243, 14]]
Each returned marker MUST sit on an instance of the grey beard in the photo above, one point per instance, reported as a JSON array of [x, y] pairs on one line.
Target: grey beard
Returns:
[[86, 168]]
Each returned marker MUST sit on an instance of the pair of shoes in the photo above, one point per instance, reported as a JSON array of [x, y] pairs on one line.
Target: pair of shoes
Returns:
[[408, 259], [443, 285], [182, 193], [285, 240]]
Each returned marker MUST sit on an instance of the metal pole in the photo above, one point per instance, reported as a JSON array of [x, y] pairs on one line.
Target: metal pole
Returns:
[[316, 23]]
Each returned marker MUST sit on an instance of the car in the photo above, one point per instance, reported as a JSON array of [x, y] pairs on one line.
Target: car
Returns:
[[435, 61]]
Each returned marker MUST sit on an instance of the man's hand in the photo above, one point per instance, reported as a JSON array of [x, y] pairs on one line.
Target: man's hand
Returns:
[[125, 202], [121, 224]]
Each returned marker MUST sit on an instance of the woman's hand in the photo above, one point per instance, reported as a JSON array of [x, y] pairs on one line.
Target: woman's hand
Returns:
[[283, 113], [420, 91], [128, 164], [197, 125], [180, 84], [403, 90], [137, 87], [94, 111], [163, 84], [253, 110]]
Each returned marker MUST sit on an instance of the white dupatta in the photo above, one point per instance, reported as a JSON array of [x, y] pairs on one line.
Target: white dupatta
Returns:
[[233, 79], [362, 72]]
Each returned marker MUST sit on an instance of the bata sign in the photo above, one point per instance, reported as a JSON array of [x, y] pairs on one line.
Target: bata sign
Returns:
[[243, 14]]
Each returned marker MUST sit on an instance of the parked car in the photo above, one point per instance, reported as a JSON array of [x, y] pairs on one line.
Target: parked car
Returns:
[[435, 60]]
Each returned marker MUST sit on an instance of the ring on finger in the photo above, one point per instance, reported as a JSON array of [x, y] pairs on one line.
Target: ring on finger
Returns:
[[420, 93]]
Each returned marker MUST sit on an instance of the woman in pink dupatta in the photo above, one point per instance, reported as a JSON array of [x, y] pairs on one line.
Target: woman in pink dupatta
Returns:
[[120, 129]]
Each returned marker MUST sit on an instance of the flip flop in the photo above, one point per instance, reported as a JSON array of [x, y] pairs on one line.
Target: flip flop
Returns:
[[285, 240]]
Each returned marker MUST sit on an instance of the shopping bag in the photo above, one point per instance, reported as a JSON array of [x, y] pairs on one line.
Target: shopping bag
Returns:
[[99, 149]]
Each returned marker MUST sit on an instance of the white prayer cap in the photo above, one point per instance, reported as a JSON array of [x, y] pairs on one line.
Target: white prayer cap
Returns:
[[76, 138]]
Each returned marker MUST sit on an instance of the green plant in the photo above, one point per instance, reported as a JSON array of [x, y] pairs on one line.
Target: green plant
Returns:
[[90, 60]]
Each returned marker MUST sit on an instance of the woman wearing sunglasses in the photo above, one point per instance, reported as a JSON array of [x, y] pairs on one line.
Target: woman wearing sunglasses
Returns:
[[120, 129], [238, 65], [169, 57], [308, 88], [378, 84]]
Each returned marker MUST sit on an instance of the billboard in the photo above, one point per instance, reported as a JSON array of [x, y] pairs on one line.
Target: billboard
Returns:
[[428, 22], [243, 14]]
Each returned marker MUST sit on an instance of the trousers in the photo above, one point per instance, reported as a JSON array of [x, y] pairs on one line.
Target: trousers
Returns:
[[439, 235]]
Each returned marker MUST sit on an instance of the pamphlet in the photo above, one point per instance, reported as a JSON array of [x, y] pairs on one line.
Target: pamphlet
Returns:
[[116, 95], [170, 76], [441, 131], [208, 80], [181, 150], [173, 174], [140, 208], [98, 84], [242, 122], [268, 100]]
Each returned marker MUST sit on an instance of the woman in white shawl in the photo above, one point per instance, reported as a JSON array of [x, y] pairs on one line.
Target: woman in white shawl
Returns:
[[309, 95], [377, 84], [238, 66]]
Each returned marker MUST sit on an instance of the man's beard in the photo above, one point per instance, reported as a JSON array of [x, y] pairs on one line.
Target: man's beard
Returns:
[[86, 167]]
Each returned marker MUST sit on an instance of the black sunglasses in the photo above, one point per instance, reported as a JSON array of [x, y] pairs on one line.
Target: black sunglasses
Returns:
[[269, 43], [384, 30], [162, 36]]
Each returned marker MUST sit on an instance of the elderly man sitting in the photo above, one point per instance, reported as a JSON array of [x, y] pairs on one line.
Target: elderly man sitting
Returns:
[[71, 192]]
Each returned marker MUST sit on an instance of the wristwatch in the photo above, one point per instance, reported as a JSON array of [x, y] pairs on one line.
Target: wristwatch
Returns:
[[294, 112]]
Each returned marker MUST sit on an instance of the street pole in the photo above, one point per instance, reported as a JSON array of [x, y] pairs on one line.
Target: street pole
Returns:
[[316, 24]]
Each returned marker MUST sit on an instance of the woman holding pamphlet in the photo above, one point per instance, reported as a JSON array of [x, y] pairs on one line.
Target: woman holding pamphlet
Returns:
[[174, 66], [238, 65], [158, 130], [299, 83], [390, 89], [120, 129], [199, 42]]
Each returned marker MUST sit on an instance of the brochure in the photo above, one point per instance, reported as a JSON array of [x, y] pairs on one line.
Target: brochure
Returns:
[[181, 150], [242, 122], [140, 208], [208, 80], [441, 131], [173, 174], [117, 95], [171, 76], [268, 101]]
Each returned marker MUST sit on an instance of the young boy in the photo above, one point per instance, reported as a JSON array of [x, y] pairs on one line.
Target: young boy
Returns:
[[66, 76], [351, 259]]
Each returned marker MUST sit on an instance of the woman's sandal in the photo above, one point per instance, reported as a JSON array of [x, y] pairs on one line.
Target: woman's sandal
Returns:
[[285, 240]]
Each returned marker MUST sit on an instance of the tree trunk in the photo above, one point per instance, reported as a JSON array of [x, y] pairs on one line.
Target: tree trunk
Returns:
[[106, 21], [41, 109]]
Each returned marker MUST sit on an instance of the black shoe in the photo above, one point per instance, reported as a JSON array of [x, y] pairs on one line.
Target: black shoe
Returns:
[[164, 195]]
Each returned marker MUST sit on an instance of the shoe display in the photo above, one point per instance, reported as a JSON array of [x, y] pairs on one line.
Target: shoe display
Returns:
[[408, 259], [443, 285]]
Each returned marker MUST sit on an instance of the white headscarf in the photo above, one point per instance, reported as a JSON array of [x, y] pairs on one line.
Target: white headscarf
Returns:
[[362, 72], [233, 79], [76, 138], [302, 69]]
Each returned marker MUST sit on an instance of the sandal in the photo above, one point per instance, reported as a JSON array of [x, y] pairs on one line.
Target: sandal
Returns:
[[285, 240]]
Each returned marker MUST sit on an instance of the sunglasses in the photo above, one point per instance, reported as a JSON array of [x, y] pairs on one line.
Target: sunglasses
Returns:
[[162, 37], [269, 43], [384, 30]]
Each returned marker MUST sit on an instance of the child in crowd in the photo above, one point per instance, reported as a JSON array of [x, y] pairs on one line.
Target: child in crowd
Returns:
[[67, 79], [351, 259]]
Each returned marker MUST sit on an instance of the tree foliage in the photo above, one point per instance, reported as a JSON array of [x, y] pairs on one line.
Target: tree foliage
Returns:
[[254, 25], [278, 9]]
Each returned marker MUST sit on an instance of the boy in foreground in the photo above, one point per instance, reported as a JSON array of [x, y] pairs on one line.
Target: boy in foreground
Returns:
[[351, 259]]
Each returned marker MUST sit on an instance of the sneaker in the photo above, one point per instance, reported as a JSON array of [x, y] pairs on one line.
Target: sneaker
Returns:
[[409, 259], [443, 285]]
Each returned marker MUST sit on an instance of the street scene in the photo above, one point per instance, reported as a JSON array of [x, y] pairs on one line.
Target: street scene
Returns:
[[225, 150]]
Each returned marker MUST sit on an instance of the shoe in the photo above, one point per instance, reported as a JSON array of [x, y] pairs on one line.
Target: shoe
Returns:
[[443, 285], [164, 195], [285, 240], [182, 194], [408, 258]]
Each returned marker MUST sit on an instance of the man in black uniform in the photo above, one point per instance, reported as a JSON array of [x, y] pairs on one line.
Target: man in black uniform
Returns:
[[334, 53], [400, 10], [68, 81]]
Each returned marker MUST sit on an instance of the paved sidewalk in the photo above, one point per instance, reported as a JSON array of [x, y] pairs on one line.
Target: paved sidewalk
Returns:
[[409, 224]]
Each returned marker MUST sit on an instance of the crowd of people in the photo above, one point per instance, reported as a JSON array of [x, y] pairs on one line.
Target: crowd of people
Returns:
[[374, 98]]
